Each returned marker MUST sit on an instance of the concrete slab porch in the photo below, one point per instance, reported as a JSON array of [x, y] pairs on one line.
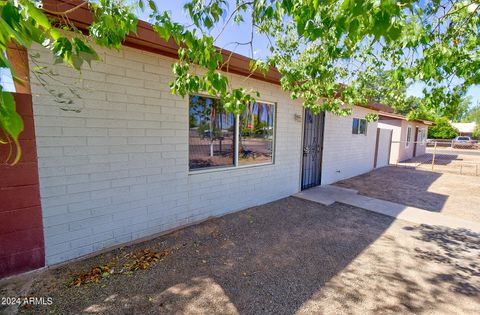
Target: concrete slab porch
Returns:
[[327, 195]]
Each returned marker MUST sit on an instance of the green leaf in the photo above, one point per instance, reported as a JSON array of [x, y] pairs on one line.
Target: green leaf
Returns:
[[208, 22], [152, 5], [163, 32], [40, 18], [11, 122]]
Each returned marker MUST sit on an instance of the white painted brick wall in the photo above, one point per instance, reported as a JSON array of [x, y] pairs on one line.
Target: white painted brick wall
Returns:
[[116, 169], [345, 154]]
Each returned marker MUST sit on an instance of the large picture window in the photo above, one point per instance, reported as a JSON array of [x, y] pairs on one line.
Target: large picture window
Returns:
[[256, 134], [211, 135], [220, 139]]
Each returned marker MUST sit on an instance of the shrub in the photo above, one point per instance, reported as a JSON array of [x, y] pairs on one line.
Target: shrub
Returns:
[[442, 130], [476, 132]]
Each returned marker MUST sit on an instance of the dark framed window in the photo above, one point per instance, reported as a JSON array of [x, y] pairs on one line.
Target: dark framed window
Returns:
[[211, 134], [219, 139], [256, 134], [359, 126]]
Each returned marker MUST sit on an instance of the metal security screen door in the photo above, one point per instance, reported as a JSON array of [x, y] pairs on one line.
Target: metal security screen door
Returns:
[[312, 149]]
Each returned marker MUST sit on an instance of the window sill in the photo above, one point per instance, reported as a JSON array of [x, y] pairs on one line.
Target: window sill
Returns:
[[229, 168]]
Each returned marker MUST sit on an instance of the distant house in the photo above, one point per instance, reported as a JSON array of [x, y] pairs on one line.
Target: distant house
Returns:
[[465, 129], [409, 138]]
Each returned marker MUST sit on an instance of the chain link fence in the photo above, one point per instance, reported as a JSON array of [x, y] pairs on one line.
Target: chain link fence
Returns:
[[449, 156]]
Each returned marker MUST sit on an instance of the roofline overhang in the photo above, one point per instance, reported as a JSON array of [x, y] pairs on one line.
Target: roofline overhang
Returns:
[[401, 117]]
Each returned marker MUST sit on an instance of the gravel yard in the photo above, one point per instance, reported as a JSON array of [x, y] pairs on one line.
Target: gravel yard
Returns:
[[447, 193], [287, 257]]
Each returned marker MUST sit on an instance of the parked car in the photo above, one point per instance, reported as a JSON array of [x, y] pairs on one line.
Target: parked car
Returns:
[[463, 142]]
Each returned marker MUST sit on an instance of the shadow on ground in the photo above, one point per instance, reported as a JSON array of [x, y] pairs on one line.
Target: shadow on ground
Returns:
[[440, 159], [288, 257], [400, 185], [452, 246], [451, 194]]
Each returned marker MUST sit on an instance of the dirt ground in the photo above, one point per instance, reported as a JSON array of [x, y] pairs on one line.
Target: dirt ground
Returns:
[[291, 256], [448, 160], [450, 194]]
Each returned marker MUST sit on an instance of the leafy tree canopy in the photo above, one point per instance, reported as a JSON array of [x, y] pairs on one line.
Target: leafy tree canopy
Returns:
[[476, 132], [472, 115], [454, 110], [329, 53], [442, 129]]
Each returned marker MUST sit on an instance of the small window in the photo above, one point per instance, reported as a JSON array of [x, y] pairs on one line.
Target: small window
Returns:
[[211, 134], [256, 134], [359, 126], [409, 136]]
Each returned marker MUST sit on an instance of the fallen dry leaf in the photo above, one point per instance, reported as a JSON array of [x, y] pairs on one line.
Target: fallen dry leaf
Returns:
[[140, 260], [146, 258], [94, 275]]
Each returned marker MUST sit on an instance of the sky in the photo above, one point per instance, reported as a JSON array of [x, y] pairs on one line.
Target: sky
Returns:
[[6, 80], [232, 32], [473, 92]]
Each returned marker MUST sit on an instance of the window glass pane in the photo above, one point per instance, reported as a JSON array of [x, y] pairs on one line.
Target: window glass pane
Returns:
[[211, 135], [355, 126], [362, 126], [256, 134]]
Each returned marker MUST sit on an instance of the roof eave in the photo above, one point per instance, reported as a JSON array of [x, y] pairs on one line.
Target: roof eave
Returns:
[[401, 117]]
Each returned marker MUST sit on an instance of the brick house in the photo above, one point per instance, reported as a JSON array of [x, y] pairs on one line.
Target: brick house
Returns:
[[118, 158]]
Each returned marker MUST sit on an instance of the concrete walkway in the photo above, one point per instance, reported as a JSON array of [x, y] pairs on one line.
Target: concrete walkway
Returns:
[[327, 195]]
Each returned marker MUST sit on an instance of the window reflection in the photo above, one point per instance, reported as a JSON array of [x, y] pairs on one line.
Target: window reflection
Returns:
[[211, 136], [359, 126], [256, 134]]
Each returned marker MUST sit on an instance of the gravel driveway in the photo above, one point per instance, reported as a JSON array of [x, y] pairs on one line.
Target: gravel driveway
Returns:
[[291, 256], [447, 193]]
